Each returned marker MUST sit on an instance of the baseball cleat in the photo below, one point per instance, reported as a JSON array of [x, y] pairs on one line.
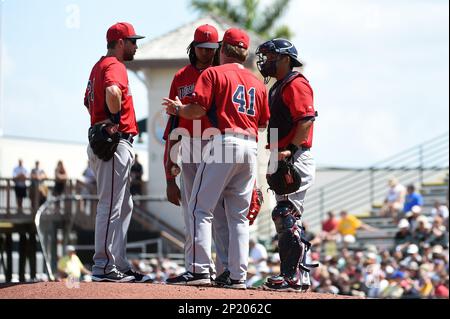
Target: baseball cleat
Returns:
[[138, 277], [113, 276], [224, 281], [281, 284], [190, 279]]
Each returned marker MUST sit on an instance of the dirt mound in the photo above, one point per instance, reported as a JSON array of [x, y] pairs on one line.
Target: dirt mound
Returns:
[[61, 290]]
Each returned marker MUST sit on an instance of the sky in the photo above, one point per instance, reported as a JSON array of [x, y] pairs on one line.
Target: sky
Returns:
[[379, 69]]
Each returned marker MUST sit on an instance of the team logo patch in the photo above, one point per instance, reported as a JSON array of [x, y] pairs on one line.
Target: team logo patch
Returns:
[[184, 91]]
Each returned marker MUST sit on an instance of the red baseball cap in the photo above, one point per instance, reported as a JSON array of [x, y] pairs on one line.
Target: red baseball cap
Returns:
[[237, 37], [122, 30], [206, 36]]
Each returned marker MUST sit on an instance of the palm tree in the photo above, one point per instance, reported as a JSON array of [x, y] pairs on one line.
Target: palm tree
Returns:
[[247, 15]]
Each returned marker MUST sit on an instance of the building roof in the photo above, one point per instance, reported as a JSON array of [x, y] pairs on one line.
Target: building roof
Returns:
[[170, 49]]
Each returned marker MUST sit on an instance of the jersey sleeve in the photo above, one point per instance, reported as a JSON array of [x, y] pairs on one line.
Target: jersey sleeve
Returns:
[[299, 98], [204, 90], [173, 89], [116, 74]]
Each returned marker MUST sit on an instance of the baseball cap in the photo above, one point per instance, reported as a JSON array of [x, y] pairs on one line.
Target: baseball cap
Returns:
[[122, 30], [403, 224], [237, 37], [397, 275], [206, 36], [412, 249], [70, 248]]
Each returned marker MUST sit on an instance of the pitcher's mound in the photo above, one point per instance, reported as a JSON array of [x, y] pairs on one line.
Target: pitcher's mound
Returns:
[[61, 290]]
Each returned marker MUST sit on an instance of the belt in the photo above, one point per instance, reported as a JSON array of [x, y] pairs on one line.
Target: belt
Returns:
[[127, 137]]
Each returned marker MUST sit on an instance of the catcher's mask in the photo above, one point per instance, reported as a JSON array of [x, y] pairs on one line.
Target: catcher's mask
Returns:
[[279, 46]]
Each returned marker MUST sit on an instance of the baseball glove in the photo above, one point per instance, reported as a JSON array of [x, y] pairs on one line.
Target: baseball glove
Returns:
[[103, 139], [255, 205], [286, 180]]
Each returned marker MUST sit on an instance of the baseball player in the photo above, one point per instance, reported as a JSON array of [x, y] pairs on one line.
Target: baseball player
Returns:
[[202, 53], [236, 104], [109, 100], [290, 137]]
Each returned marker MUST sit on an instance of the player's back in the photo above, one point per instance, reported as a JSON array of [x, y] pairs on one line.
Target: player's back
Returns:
[[240, 99]]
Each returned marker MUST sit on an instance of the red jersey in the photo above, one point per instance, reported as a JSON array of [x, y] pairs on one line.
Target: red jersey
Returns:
[[234, 98], [183, 85], [105, 73], [298, 97]]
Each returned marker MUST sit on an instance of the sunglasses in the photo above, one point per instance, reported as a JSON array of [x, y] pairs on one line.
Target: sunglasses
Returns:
[[133, 41]]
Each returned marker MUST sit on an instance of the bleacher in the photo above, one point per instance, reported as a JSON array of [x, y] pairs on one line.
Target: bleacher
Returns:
[[384, 238]]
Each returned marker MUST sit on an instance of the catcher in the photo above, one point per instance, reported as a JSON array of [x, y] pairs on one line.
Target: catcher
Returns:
[[290, 139]]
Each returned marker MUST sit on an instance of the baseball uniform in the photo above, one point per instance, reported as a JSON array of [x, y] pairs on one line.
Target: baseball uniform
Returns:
[[236, 105], [192, 146]]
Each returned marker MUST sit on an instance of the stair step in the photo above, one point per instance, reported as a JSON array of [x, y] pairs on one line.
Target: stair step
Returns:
[[381, 233], [377, 220]]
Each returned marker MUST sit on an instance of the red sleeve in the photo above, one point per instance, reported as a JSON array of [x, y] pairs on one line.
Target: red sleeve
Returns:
[[204, 89], [298, 96], [173, 89], [172, 94], [265, 110], [116, 74]]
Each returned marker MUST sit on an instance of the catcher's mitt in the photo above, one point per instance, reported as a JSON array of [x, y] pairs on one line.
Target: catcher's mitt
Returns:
[[255, 205], [286, 180], [103, 139]]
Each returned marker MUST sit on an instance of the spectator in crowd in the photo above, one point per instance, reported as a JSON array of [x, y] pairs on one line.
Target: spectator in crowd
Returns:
[[394, 200], [329, 225], [440, 289], [137, 172], [60, 179], [327, 287], [349, 225], [413, 217], [422, 232], [89, 181], [70, 266], [258, 255], [394, 289], [439, 210], [258, 259], [438, 234], [403, 238], [412, 199], [413, 255], [20, 175], [38, 190]]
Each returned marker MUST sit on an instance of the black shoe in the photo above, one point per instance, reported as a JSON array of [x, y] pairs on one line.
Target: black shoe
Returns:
[[113, 276], [223, 279], [190, 279], [138, 277]]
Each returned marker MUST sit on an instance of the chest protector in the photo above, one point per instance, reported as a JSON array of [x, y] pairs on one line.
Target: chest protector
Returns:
[[280, 116]]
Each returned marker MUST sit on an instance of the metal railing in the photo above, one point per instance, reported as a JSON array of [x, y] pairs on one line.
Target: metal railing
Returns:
[[357, 191], [64, 211]]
